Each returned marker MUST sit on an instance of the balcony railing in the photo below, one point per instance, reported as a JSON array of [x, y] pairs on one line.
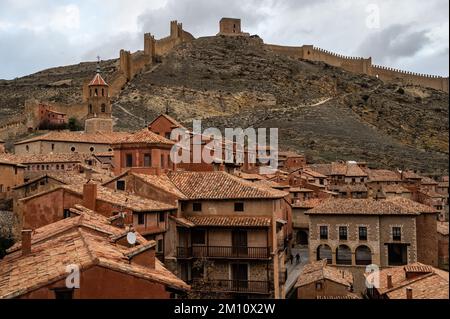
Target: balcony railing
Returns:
[[230, 285], [223, 252]]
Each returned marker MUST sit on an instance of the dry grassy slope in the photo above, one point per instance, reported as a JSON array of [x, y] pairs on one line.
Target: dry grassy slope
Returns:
[[14, 93], [233, 82]]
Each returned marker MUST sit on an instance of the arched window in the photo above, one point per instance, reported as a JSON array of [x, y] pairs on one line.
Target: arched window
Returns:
[[324, 252], [363, 256], [96, 92], [302, 237], [90, 108], [57, 166], [343, 255], [27, 148], [103, 108]]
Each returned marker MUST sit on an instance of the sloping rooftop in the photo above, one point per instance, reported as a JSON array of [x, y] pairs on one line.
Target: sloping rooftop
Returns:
[[220, 185], [319, 270], [162, 182], [144, 136], [390, 206], [71, 241], [383, 175], [98, 80], [77, 137], [229, 221], [427, 283], [395, 188]]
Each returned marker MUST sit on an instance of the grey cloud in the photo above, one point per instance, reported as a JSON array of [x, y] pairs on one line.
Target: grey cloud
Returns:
[[394, 42]]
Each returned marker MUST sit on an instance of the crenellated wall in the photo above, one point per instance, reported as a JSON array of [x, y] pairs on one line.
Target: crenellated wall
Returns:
[[177, 36], [361, 65]]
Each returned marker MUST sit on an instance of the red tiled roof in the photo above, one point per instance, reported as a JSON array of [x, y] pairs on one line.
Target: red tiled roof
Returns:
[[144, 136], [383, 175], [98, 80], [77, 240], [229, 221], [220, 185], [390, 206], [77, 137], [319, 270]]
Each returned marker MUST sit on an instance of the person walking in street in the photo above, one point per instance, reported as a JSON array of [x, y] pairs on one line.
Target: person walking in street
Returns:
[[291, 258], [297, 258]]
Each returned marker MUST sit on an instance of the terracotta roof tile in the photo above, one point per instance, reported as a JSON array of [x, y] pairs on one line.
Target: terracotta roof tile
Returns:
[[395, 188], [390, 206], [230, 221], [144, 136], [69, 242], [162, 182], [383, 175], [319, 270], [220, 185], [98, 80], [78, 137]]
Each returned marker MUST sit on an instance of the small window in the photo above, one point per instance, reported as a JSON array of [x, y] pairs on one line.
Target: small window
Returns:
[[396, 233], [90, 107], [197, 207], [141, 219], [198, 237], [27, 148], [162, 217], [96, 92], [92, 149], [343, 233], [362, 233], [103, 108], [120, 185], [66, 213], [63, 293], [323, 232], [53, 146], [238, 207], [183, 206], [168, 136], [62, 166], [129, 160], [147, 160], [318, 286], [72, 149], [160, 246]]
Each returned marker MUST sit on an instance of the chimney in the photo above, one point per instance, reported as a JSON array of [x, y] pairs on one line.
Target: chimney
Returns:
[[409, 293], [26, 241], [389, 281], [89, 196]]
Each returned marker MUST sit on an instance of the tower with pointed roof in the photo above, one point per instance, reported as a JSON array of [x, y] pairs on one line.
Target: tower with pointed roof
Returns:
[[99, 117]]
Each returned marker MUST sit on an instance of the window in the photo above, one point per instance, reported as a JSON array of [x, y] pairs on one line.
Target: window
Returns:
[[162, 217], [53, 146], [72, 149], [160, 246], [343, 233], [197, 207], [63, 293], [323, 232], [27, 148], [198, 237], [353, 180], [96, 92], [183, 206], [168, 135], [141, 219], [318, 286], [362, 233], [147, 160], [62, 166], [66, 213], [92, 149], [120, 185], [238, 207], [129, 160], [90, 107], [396, 233], [103, 108]]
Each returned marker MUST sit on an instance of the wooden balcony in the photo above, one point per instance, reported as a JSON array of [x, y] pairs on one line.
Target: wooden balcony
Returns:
[[234, 286], [225, 252]]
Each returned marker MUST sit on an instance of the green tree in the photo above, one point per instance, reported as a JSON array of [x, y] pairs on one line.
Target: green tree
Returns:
[[74, 124]]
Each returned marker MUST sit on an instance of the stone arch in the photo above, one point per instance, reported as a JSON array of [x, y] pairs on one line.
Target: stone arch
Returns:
[[343, 255], [363, 255], [324, 252]]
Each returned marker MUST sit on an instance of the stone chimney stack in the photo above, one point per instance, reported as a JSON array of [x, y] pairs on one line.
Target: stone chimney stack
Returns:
[[389, 281], [26, 241], [409, 293], [89, 196]]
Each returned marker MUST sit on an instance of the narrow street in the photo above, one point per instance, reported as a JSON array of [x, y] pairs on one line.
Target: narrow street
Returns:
[[295, 269]]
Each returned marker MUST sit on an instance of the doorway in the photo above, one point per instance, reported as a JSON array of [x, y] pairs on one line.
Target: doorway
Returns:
[[240, 243]]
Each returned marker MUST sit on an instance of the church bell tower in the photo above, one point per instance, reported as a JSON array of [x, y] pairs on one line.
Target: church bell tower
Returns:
[[99, 117]]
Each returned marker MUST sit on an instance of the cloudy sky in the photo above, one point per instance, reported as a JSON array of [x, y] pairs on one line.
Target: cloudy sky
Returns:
[[407, 34]]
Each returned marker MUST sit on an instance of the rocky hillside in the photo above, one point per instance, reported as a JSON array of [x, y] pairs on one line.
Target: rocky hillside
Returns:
[[322, 111]]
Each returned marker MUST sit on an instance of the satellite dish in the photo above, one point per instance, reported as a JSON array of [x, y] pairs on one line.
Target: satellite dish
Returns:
[[131, 238]]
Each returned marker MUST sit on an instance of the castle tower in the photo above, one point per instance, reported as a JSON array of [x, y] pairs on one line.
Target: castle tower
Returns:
[[99, 117]]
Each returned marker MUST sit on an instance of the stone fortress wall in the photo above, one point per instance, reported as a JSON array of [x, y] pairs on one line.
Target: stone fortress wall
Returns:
[[362, 66], [130, 64]]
